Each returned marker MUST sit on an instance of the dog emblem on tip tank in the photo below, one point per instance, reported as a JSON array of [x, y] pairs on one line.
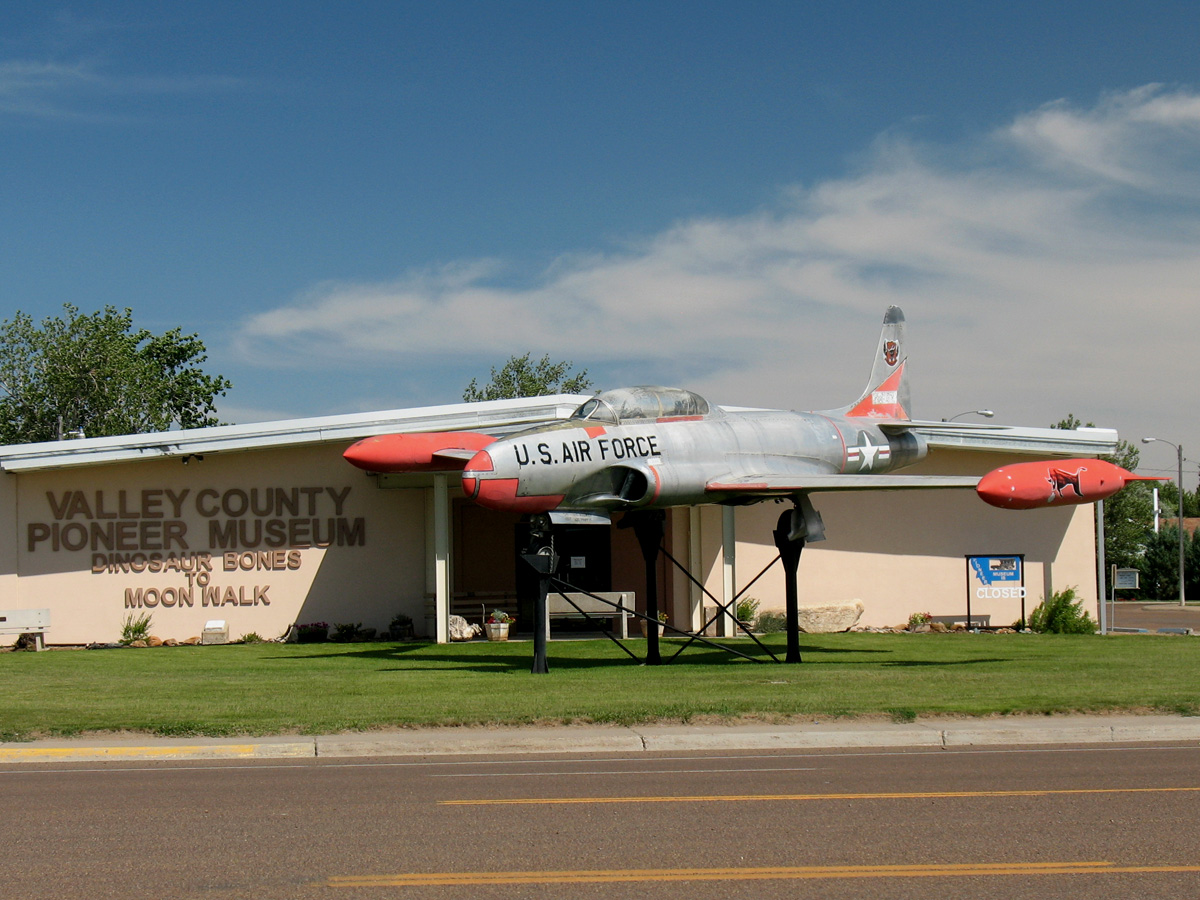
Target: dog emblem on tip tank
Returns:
[[1061, 479]]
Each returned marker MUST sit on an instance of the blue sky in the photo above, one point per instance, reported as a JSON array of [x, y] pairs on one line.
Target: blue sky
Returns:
[[361, 206]]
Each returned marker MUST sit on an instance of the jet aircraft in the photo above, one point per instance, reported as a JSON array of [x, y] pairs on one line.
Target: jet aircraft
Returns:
[[655, 447]]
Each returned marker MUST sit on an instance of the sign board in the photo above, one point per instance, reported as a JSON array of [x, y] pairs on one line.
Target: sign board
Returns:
[[995, 578], [1125, 579]]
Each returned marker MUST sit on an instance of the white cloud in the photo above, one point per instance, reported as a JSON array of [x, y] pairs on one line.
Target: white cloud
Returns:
[[1051, 266], [81, 90]]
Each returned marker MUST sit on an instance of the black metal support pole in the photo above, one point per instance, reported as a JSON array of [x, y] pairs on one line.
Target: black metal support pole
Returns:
[[544, 564], [649, 526], [789, 555]]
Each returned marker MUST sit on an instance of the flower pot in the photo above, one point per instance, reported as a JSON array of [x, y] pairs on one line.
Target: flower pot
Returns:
[[496, 631]]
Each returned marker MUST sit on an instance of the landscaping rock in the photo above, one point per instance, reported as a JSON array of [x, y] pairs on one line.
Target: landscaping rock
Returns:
[[462, 630], [829, 618], [154, 641]]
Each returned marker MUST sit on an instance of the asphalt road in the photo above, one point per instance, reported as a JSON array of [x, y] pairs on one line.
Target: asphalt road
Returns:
[[1089, 821], [1153, 616]]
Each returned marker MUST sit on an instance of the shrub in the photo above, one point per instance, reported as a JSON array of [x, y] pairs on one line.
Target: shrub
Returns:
[[747, 609], [1062, 613], [771, 622], [253, 637], [919, 618], [135, 629]]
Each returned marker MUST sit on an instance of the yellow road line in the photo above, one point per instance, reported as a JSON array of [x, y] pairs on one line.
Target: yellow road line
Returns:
[[743, 798], [190, 751], [959, 870]]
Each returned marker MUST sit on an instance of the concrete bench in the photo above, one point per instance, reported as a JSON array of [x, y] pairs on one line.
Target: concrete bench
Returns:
[[26, 621], [620, 603]]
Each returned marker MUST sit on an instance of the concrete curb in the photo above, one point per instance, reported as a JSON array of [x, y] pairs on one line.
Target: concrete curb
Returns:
[[615, 739]]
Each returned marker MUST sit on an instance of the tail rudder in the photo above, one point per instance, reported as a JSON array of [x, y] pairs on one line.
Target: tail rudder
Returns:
[[886, 396]]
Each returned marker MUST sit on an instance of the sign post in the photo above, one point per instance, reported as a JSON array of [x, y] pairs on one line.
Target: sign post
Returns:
[[1126, 580], [996, 578]]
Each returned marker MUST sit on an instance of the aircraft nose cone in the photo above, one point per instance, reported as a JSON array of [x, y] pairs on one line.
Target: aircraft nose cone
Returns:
[[480, 462], [498, 490]]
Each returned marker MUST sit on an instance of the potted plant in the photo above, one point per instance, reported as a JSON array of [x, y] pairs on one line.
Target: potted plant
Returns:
[[497, 625], [747, 612], [662, 620], [401, 627]]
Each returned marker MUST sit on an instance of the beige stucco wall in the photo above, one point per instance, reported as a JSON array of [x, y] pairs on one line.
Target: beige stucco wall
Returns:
[[259, 539], [97, 543], [901, 552]]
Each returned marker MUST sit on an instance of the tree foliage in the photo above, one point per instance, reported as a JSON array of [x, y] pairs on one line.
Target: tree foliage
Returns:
[[1160, 566], [522, 377], [97, 374], [1129, 513]]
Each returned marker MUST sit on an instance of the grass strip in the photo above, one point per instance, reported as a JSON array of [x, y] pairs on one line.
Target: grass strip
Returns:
[[264, 689]]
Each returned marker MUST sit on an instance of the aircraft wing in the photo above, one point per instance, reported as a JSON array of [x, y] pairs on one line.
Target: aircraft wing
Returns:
[[786, 485]]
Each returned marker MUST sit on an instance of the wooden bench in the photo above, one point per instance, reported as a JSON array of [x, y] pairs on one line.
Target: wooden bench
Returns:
[[619, 603], [26, 621]]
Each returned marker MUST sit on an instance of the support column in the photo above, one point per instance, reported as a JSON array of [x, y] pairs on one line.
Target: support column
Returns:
[[696, 568], [649, 527], [728, 566], [544, 562], [441, 556], [789, 555]]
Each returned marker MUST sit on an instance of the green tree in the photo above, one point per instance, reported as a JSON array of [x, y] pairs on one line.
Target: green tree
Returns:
[[97, 374], [1129, 513], [521, 377], [1160, 566]]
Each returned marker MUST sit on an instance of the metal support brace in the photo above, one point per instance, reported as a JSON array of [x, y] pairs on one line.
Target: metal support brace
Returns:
[[649, 527], [790, 548]]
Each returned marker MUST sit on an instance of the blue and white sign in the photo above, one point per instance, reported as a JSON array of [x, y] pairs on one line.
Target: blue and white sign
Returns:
[[997, 577]]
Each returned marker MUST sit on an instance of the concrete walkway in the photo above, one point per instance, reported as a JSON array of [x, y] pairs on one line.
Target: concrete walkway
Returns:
[[423, 742]]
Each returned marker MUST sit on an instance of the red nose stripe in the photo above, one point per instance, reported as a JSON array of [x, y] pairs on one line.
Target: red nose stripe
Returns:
[[501, 493]]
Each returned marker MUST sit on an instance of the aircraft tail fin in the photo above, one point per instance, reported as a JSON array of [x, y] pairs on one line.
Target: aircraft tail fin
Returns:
[[886, 396]]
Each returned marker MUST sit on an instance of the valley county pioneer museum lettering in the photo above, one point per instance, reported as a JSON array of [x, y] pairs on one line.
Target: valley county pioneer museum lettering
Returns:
[[196, 535]]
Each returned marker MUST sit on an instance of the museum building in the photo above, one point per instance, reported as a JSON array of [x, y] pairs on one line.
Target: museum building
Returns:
[[264, 526]]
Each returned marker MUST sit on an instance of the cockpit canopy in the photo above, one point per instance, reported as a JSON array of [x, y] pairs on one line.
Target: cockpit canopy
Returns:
[[631, 404]]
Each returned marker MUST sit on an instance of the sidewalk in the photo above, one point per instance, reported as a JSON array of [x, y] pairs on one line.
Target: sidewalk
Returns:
[[424, 742]]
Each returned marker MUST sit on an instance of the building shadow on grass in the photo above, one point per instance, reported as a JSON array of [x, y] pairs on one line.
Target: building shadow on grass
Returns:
[[474, 656]]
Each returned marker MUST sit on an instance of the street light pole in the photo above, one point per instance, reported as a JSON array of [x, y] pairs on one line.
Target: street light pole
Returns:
[[986, 413], [1179, 455]]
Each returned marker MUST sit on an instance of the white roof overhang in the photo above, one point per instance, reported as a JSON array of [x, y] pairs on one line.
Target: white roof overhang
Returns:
[[497, 417]]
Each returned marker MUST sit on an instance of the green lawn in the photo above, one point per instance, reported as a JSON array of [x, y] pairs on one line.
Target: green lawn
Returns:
[[315, 688]]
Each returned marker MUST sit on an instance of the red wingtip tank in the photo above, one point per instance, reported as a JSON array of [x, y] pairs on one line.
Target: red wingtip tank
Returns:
[[1063, 482], [432, 452]]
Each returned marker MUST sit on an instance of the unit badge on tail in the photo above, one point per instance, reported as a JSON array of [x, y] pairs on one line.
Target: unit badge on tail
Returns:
[[891, 352]]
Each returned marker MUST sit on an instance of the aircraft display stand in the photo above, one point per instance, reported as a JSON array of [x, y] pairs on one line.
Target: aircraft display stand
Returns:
[[649, 528]]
